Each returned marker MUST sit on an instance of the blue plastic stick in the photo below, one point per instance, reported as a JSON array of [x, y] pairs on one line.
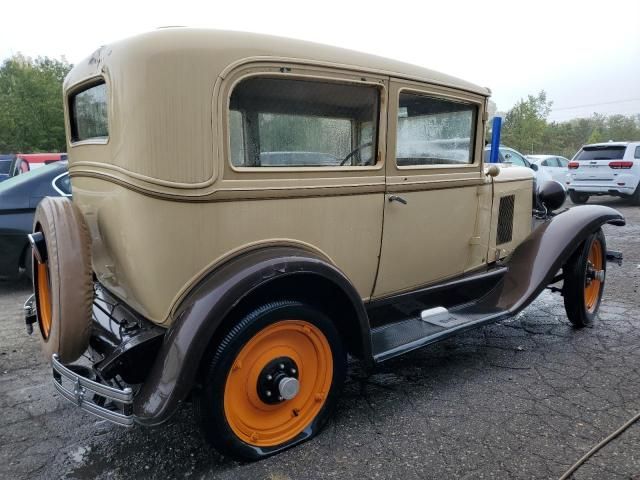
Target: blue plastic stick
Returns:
[[495, 139]]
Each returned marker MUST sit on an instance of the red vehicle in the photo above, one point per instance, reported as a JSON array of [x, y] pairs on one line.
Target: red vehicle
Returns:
[[35, 160]]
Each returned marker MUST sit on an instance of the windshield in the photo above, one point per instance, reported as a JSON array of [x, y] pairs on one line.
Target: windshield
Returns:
[[41, 173], [604, 152]]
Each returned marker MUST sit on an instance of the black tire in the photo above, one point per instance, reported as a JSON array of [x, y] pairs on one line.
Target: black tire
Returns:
[[635, 198], [209, 398], [578, 198], [581, 307]]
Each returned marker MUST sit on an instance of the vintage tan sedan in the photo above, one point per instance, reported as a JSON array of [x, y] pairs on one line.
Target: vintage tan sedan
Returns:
[[249, 210]]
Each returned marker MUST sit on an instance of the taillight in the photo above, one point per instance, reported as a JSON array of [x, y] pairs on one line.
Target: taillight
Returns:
[[573, 165], [619, 164]]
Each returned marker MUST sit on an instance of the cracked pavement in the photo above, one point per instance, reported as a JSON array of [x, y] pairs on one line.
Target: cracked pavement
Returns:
[[523, 398]]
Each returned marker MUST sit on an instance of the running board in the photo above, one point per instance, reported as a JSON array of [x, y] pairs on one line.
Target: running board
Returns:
[[431, 326]]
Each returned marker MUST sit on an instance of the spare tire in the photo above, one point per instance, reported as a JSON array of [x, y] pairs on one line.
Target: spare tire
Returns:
[[63, 283]]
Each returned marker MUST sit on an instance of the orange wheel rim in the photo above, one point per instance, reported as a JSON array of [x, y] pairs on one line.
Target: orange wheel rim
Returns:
[[265, 425], [594, 285], [44, 299]]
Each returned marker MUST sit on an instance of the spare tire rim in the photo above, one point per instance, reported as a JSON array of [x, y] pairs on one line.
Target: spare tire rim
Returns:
[[43, 294], [593, 283], [258, 423]]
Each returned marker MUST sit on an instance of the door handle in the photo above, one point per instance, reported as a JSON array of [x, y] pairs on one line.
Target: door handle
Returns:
[[397, 198]]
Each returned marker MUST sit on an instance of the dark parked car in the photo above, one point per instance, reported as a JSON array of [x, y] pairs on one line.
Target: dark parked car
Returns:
[[19, 197]]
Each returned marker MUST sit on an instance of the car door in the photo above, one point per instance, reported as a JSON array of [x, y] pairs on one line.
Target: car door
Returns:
[[433, 226]]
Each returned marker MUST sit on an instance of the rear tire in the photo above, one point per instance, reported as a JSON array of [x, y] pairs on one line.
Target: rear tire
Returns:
[[240, 403], [582, 289], [578, 198]]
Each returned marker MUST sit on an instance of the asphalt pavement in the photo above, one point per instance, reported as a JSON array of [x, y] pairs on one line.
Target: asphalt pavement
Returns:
[[523, 398]]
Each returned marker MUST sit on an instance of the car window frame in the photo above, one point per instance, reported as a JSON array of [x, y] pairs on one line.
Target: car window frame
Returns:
[[334, 76], [54, 184], [80, 87], [428, 91]]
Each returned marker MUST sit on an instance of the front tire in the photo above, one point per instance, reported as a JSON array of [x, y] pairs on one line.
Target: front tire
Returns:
[[578, 198], [584, 277], [241, 404]]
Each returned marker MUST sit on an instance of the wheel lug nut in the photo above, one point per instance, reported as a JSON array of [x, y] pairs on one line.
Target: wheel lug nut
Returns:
[[268, 393], [293, 371], [281, 366], [269, 377]]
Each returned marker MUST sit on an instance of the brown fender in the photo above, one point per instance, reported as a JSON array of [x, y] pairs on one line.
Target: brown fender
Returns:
[[206, 306], [536, 261]]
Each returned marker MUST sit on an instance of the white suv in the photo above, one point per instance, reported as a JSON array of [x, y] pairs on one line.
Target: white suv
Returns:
[[611, 168]]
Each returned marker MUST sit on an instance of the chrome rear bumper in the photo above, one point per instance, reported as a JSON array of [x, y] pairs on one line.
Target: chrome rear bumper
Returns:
[[83, 391]]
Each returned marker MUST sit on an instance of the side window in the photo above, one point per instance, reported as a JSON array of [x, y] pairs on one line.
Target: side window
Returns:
[[275, 122], [552, 162], [637, 153], [514, 158], [563, 162], [88, 110], [434, 131], [63, 184], [545, 163]]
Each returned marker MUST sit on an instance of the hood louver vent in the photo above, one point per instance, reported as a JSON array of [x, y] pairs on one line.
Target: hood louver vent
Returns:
[[505, 220]]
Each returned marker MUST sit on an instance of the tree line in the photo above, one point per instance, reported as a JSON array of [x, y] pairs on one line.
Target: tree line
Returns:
[[526, 128], [31, 108], [32, 120]]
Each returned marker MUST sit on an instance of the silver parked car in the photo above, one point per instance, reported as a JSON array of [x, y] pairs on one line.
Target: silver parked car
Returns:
[[551, 167]]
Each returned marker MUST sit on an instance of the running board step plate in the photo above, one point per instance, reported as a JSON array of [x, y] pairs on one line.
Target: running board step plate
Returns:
[[431, 326]]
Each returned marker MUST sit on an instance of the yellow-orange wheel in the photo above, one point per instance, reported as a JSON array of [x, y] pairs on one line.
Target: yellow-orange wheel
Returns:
[[43, 302], [258, 423], [593, 284], [272, 381], [584, 278]]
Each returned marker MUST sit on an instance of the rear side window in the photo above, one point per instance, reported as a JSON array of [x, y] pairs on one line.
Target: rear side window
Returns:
[[275, 122], [63, 184], [605, 152], [637, 153], [88, 109], [434, 131]]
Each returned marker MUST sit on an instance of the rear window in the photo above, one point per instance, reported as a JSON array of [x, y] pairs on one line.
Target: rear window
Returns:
[[89, 113], [601, 153]]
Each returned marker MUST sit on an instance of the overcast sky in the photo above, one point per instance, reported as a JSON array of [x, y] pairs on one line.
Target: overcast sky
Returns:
[[585, 54]]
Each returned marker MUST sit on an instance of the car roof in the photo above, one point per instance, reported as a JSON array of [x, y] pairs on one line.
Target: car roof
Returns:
[[610, 144], [218, 50]]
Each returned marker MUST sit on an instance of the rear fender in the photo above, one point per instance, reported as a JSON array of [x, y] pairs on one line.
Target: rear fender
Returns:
[[205, 308], [536, 261]]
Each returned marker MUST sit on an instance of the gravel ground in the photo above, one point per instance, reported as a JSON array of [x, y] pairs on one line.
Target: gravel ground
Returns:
[[524, 398]]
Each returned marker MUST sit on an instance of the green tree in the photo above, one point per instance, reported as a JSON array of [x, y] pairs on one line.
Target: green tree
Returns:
[[31, 108], [525, 124]]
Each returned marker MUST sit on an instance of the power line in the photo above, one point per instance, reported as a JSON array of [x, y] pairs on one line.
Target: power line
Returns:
[[596, 104]]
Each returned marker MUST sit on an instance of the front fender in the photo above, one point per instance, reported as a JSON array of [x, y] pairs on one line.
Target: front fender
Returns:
[[535, 262], [207, 305]]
